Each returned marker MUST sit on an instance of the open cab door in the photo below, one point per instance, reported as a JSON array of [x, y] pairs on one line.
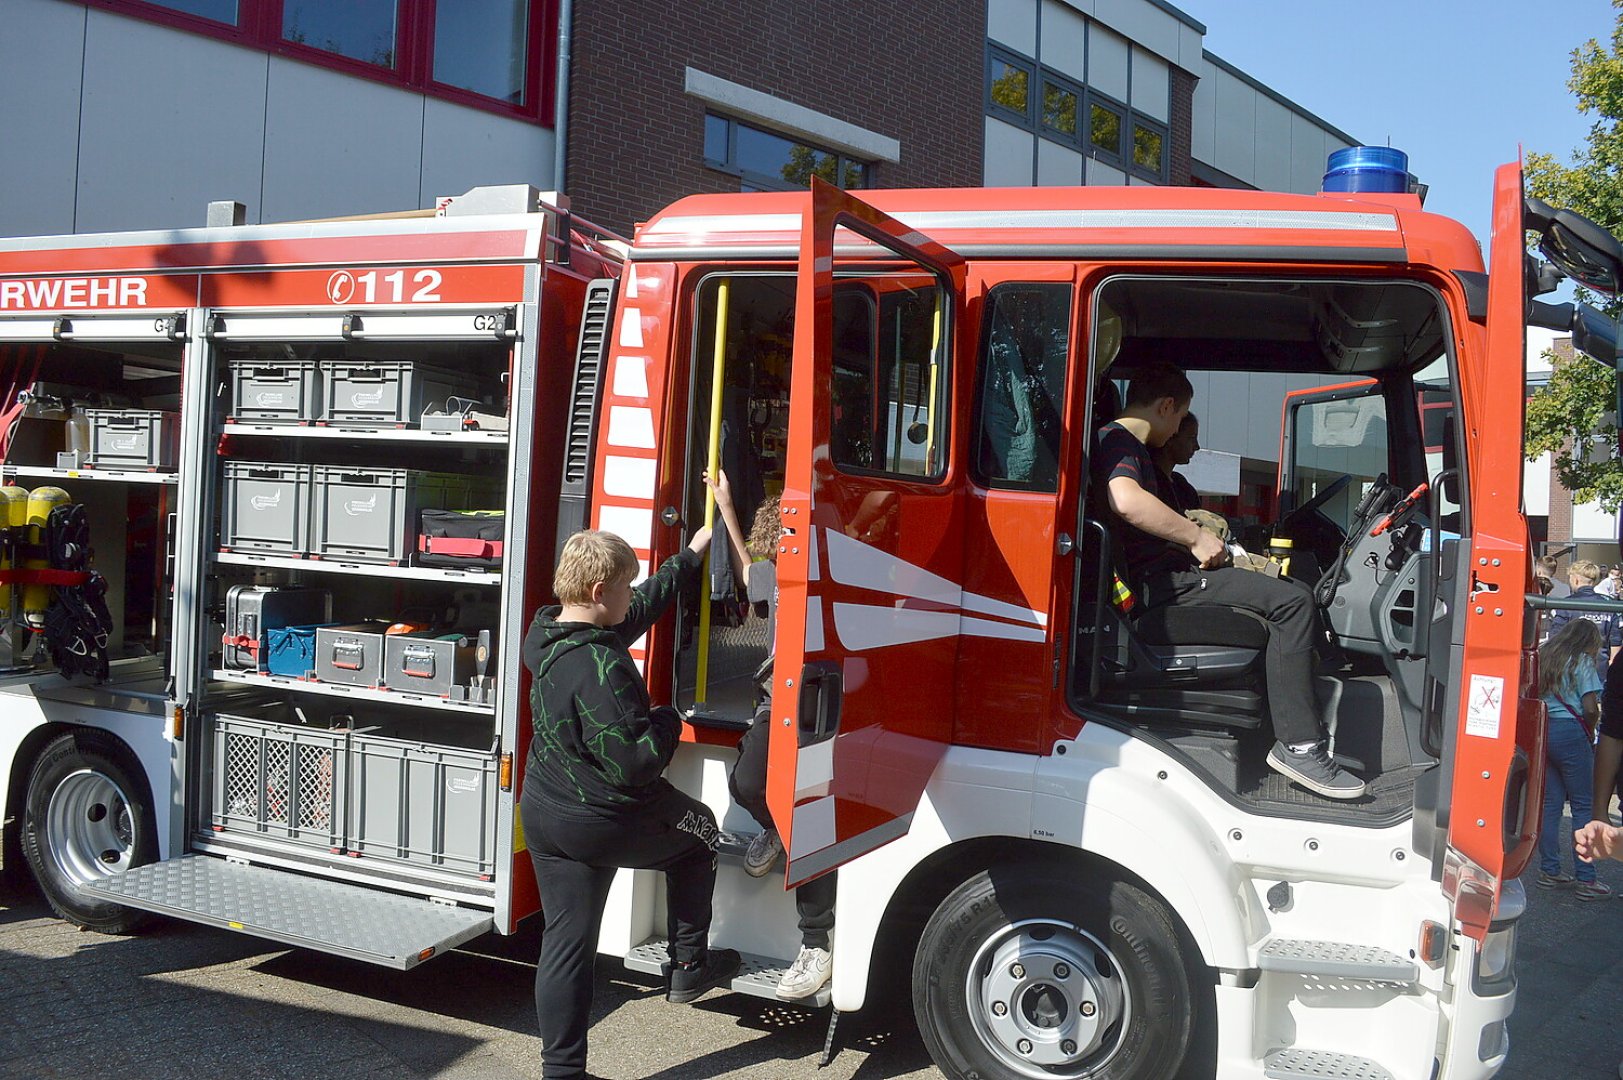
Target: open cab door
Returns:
[[870, 609], [1496, 741]]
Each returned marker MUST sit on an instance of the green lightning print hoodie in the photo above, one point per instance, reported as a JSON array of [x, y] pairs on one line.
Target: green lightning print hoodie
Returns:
[[598, 746]]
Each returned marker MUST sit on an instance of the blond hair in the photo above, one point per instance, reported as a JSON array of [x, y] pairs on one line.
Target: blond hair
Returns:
[[1585, 571], [1560, 658], [765, 531], [589, 557]]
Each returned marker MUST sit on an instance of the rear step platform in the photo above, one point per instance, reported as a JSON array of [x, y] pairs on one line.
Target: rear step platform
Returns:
[[384, 928], [758, 977]]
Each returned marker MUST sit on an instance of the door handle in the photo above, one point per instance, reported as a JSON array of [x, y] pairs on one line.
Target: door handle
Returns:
[[822, 692]]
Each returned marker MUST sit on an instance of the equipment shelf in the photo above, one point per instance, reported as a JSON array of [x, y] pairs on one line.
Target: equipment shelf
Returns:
[[335, 566], [362, 434], [354, 693], [120, 475]]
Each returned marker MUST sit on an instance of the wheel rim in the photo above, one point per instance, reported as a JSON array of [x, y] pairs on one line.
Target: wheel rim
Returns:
[[90, 827], [1048, 999]]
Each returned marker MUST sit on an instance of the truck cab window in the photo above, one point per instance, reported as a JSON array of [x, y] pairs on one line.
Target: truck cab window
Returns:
[[1021, 386], [890, 377]]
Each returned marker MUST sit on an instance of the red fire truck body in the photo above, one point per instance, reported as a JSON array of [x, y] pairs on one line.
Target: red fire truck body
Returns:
[[1046, 804]]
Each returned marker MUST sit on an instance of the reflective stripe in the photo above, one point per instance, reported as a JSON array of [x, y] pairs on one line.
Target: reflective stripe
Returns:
[[815, 862]]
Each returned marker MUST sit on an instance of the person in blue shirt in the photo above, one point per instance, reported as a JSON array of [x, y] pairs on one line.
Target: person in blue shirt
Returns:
[[1584, 575], [1570, 687]]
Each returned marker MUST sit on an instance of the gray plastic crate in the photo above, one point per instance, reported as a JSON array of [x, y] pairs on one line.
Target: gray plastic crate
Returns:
[[387, 393], [265, 506], [282, 775], [142, 439], [415, 801], [275, 391], [371, 515]]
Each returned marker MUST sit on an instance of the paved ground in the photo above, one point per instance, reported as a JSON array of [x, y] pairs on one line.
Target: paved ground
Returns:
[[181, 1001]]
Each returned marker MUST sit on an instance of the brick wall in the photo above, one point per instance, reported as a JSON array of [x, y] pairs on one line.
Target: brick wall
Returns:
[[636, 140], [1182, 127]]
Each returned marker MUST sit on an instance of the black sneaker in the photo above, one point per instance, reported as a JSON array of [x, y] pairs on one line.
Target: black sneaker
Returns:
[[1315, 770], [690, 984]]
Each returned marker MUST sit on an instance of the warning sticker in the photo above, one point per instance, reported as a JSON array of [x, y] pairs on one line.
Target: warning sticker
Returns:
[[1484, 706]]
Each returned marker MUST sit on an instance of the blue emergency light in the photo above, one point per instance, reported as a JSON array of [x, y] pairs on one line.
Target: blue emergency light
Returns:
[[1367, 168]]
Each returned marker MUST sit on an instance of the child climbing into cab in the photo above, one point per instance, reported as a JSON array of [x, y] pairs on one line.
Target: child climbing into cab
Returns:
[[757, 555]]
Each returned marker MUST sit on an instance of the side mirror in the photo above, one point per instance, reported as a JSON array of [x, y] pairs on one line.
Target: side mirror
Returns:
[[1581, 249]]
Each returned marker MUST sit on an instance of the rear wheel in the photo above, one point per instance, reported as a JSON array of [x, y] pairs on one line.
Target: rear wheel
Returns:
[[88, 816], [1029, 971]]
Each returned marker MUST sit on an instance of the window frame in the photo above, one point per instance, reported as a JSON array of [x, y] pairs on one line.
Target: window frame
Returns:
[[259, 26], [997, 54], [1131, 122], [764, 181]]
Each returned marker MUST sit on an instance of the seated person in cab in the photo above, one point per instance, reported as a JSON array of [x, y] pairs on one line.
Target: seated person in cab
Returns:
[[1171, 560], [1178, 450]]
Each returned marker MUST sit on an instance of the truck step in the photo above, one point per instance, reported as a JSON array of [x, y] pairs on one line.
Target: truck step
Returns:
[[758, 977], [349, 920], [1337, 960], [1294, 1063]]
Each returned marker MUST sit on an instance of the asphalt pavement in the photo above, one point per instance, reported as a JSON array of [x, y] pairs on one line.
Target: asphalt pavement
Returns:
[[182, 1001]]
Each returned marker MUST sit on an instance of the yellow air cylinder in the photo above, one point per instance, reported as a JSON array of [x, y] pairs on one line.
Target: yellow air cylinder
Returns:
[[37, 598], [13, 515]]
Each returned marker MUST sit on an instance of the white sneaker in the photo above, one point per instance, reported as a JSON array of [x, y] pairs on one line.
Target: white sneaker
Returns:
[[807, 975], [764, 849]]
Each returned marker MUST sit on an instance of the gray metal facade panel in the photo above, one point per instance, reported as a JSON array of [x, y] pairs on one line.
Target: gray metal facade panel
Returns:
[[170, 122], [41, 57], [465, 148], [347, 920]]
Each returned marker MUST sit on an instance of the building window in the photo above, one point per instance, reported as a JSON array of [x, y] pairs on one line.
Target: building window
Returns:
[[1008, 83], [1059, 108], [766, 161], [495, 55], [1149, 149], [364, 30], [1104, 134]]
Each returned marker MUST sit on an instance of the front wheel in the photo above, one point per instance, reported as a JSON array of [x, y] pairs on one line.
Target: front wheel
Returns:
[[1035, 971], [88, 816]]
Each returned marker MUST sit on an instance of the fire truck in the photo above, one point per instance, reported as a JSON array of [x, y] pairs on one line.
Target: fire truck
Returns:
[[288, 495]]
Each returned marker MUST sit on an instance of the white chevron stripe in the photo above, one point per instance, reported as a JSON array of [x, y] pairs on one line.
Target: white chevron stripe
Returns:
[[634, 524], [1006, 631], [631, 329], [631, 376], [814, 770], [851, 562], [987, 606], [628, 477], [629, 426], [813, 828], [631, 283], [861, 627], [814, 625]]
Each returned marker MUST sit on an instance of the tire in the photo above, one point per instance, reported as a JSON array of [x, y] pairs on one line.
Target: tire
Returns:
[[1035, 971], [88, 815]]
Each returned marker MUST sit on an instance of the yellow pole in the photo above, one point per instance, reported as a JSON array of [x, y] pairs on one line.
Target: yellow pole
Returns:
[[718, 371], [935, 371]]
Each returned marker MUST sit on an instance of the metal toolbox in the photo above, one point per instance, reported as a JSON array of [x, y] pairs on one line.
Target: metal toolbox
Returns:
[[144, 439], [252, 610], [275, 391], [387, 393], [265, 506], [427, 663], [371, 515], [414, 800], [283, 774], [352, 655]]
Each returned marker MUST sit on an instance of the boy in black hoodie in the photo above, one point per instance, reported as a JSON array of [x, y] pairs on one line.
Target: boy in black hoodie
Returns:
[[594, 798]]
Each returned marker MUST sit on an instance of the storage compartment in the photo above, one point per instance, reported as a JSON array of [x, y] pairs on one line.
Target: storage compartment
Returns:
[[144, 439], [281, 774], [351, 655], [428, 663], [265, 507], [413, 800], [252, 612], [275, 391], [461, 539], [371, 515], [387, 393]]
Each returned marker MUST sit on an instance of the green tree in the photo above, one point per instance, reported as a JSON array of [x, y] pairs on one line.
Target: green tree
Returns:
[[1575, 409]]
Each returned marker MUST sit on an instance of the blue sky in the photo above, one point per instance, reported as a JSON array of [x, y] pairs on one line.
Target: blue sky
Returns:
[[1457, 84]]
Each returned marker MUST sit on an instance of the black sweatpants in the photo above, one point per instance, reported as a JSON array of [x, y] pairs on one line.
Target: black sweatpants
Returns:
[[1293, 630], [575, 853], [814, 901]]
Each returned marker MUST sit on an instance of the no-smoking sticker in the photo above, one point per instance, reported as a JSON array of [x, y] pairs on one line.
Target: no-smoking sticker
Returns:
[[1485, 706]]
